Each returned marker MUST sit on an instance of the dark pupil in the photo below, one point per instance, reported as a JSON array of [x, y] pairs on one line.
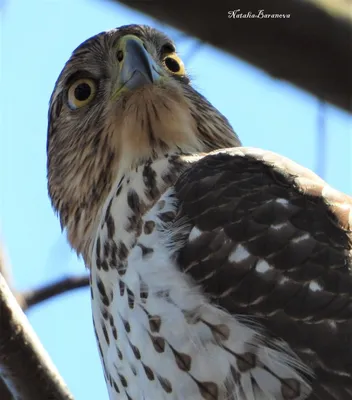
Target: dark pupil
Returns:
[[82, 91], [172, 64]]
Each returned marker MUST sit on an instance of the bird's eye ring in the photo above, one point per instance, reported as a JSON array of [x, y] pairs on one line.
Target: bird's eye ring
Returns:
[[174, 64], [81, 92]]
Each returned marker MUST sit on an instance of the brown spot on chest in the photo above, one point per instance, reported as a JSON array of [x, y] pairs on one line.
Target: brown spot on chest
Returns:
[[221, 331], [165, 384], [144, 292], [103, 295], [246, 361], [115, 386], [149, 373], [118, 191], [113, 327], [105, 332], [145, 250], [183, 360], [126, 325], [136, 351], [290, 389], [122, 268], [134, 371], [110, 225], [119, 353], [149, 179], [154, 323], [208, 390], [123, 381], [104, 265], [167, 216], [131, 299], [97, 249], [161, 204], [158, 343], [149, 227], [122, 287], [122, 251], [133, 201]]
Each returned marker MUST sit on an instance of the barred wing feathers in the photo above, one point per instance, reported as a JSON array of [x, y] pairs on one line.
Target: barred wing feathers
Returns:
[[270, 241]]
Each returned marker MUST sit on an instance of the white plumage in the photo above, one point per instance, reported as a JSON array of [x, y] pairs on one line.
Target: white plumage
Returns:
[[185, 317]]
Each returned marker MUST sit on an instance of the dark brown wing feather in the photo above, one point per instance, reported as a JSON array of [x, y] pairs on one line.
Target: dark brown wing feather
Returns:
[[289, 217]]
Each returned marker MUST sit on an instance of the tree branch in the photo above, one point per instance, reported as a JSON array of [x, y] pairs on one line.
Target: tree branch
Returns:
[[45, 292], [312, 49], [5, 270], [24, 364], [26, 371]]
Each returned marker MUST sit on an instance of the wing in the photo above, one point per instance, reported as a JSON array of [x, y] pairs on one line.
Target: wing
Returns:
[[269, 239]]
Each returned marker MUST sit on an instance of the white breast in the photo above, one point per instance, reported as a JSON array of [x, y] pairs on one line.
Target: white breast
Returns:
[[160, 338]]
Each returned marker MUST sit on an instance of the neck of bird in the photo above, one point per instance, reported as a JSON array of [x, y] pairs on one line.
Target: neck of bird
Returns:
[[128, 198]]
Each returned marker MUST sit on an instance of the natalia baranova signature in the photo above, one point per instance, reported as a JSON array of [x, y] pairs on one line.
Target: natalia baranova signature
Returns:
[[261, 14]]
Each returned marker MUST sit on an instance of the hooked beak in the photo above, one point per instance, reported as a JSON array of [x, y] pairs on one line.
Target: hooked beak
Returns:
[[137, 67]]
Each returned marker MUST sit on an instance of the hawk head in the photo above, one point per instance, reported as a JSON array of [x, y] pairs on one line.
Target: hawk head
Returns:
[[122, 98]]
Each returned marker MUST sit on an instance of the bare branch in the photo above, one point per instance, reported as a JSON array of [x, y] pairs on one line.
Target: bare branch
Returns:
[[5, 270], [45, 292], [26, 371], [25, 366], [5, 393]]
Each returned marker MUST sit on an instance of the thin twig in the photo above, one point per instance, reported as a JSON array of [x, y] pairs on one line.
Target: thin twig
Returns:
[[25, 366], [45, 292]]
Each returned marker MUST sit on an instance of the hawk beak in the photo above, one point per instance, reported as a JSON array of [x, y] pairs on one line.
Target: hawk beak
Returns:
[[137, 67]]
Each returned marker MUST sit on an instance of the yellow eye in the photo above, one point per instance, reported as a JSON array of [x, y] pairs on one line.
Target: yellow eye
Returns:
[[174, 64], [81, 93]]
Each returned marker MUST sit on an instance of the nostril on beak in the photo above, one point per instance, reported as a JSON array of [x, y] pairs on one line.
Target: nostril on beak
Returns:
[[120, 55]]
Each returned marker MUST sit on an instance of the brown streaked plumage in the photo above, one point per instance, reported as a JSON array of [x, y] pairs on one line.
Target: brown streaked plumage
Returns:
[[217, 271], [87, 146]]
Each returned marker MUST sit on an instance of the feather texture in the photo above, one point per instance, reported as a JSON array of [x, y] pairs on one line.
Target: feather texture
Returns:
[[273, 242], [215, 275], [219, 293]]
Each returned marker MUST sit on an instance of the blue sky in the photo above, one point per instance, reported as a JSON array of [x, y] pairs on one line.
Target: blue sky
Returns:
[[36, 39]]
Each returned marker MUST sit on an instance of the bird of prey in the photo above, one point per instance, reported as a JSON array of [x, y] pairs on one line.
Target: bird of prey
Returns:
[[217, 271]]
